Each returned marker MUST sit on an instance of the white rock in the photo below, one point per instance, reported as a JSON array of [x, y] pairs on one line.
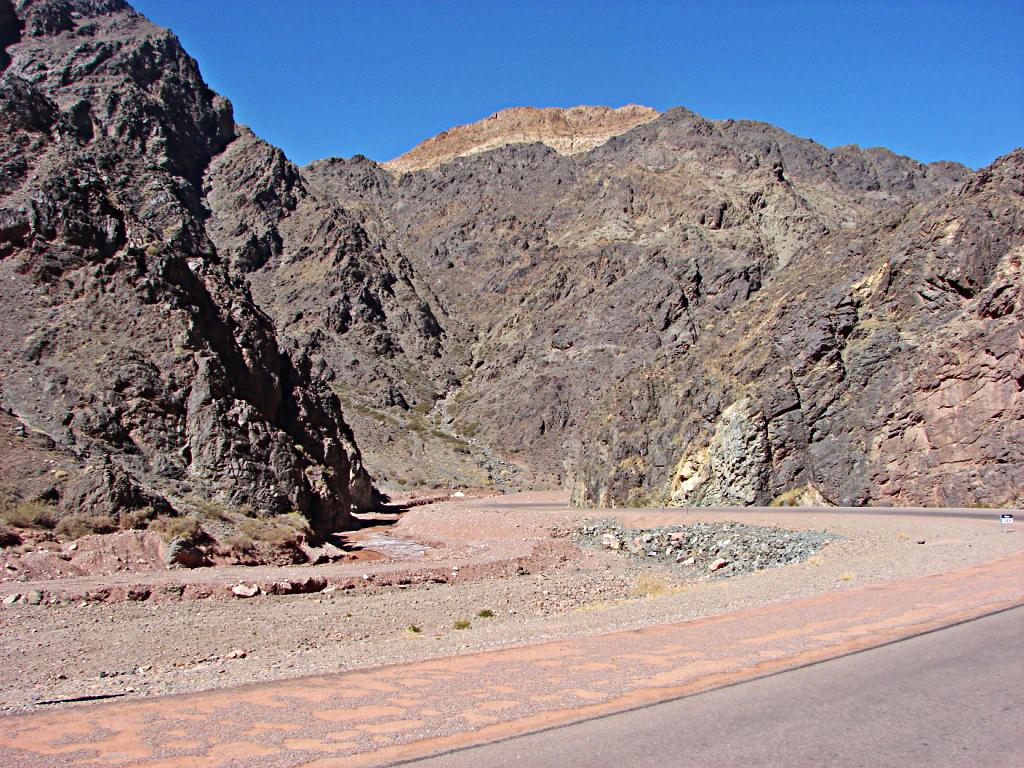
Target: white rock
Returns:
[[245, 590]]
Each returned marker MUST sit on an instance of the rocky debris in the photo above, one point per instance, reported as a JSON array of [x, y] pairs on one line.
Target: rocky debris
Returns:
[[298, 586], [184, 553], [43, 558], [9, 537], [245, 590], [326, 553], [138, 594], [720, 548]]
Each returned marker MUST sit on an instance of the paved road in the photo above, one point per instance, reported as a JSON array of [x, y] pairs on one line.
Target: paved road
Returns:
[[954, 697], [558, 503]]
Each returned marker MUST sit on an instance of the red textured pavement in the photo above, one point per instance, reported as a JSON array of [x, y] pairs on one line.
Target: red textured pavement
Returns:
[[373, 717]]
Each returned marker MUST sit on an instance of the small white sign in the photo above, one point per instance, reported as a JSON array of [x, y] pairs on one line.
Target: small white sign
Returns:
[[1006, 522]]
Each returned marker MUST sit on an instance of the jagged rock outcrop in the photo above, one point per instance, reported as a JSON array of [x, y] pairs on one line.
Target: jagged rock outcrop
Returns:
[[567, 131], [886, 368], [129, 341], [601, 294]]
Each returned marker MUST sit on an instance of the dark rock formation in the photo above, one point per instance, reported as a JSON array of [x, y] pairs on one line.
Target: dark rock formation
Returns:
[[690, 313], [129, 341], [884, 368]]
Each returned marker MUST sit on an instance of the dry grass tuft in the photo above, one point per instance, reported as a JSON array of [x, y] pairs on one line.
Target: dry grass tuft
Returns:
[[27, 514], [77, 526], [187, 528], [650, 585]]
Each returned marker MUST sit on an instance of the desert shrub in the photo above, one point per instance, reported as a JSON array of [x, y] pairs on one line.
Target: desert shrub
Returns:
[[265, 538], [295, 520], [240, 542], [79, 525], [187, 527], [275, 532], [486, 613], [137, 519], [649, 585], [790, 498], [461, 624], [28, 514]]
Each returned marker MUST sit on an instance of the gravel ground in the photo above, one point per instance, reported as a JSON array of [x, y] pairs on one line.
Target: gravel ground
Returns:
[[144, 649], [713, 550]]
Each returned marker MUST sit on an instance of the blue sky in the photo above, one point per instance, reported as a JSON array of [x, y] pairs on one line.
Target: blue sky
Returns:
[[931, 79]]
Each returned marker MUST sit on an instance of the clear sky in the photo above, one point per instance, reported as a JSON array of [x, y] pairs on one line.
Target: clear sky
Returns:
[[933, 79]]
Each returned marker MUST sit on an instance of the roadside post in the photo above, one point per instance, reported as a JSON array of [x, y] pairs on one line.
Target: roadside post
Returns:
[[1006, 522]]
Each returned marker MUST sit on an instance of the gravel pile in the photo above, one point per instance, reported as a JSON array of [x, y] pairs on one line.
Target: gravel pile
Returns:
[[722, 549]]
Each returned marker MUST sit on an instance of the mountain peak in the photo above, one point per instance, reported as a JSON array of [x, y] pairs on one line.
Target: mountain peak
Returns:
[[568, 131]]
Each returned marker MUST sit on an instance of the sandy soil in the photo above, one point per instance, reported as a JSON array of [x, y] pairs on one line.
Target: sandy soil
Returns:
[[134, 649]]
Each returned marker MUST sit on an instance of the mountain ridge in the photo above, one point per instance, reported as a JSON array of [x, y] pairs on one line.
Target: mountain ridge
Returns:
[[568, 130]]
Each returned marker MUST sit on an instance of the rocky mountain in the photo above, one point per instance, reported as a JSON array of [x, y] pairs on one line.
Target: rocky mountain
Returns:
[[644, 307], [597, 295], [132, 351], [886, 367]]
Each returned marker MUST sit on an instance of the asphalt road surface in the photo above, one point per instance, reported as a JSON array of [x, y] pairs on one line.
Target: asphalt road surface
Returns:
[[954, 697], [969, 513]]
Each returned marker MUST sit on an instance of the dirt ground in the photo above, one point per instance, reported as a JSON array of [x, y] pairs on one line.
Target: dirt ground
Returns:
[[459, 561]]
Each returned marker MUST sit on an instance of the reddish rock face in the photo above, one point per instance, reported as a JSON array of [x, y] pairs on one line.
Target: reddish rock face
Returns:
[[888, 368]]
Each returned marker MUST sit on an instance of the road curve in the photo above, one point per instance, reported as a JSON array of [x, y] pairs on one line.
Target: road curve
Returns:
[[953, 697]]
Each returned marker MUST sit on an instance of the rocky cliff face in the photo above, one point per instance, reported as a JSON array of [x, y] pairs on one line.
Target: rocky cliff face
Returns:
[[648, 308], [601, 296], [883, 368], [131, 343]]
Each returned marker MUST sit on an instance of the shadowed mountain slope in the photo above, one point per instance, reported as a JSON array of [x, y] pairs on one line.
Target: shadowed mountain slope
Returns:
[[130, 344]]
